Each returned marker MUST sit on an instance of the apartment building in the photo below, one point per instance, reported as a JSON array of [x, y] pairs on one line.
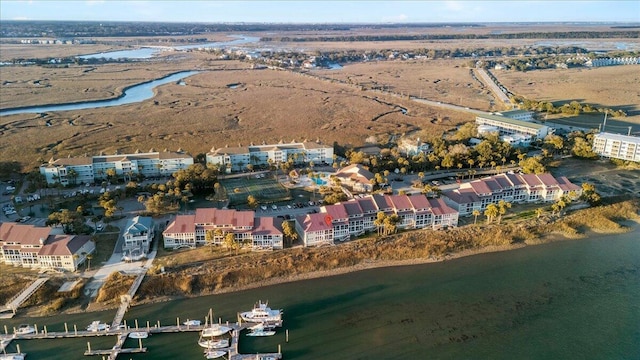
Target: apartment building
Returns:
[[36, 247], [355, 217], [212, 225], [513, 188], [617, 146], [87, 170], [237, 158], [509, 126]]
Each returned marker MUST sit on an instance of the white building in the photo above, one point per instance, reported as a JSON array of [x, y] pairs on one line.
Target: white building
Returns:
[[410, 147], [237, 158], [212, 225], [89, 169], [35, 247], [138, 235], [617, 146], [508, 126], [513, 188], [524, 115]]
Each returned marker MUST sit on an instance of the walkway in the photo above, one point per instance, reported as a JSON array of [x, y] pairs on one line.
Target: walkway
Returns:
[[17, 300]]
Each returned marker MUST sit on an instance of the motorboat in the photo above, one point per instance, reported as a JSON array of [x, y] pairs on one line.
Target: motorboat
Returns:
[[139, 335], [12, 356], [96, 326], [192, 323], [262, 313], [25, 329], [262, 326], [261, 332], [214, 354], [213, 343]]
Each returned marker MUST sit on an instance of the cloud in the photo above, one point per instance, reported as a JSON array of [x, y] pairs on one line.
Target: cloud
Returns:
[[454, 5], [396, 18], [21, 18], [94, 2]]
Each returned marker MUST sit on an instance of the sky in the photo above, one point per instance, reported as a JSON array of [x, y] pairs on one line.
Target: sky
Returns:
[[323, 11]]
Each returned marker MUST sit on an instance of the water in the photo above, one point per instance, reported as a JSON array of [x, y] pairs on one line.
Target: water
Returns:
[[146, 53], [133, 94], [565, 300]]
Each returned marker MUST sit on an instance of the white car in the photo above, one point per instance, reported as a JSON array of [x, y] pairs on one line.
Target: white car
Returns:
[[263, 207], [99, 227], [10, 188], [274, 207]]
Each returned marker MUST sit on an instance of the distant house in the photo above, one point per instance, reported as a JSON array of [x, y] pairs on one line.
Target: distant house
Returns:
[[513, 188], [410, 147], [35, 247], [357, 177], [138, 235], [509, 126], [315, 229]]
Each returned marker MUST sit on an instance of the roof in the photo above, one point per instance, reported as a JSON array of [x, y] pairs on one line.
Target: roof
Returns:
[[23, 234], [367, 205], [336, 211], [419, 201], [74, 161], [314, 222], [462, 196], [224, 217], [63, 245], [401, 202], [511, 121], [353, 208], [618, 137], [567, 185], [438, 207], [181, 225], [267, 226], [138, 225], [382, 202]]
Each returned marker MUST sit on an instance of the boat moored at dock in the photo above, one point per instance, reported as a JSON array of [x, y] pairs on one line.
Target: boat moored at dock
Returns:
[[25, 329], [139, 335], [262, 313], [96, 326]]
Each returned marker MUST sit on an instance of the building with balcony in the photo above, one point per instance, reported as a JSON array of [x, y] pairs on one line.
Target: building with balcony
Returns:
[[617, 146]]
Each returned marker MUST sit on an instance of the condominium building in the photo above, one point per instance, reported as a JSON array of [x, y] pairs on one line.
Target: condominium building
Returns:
[[524, 115], [355, 217], [212, 225], [237, 158], [86, 170], [509, 126], [617, 146], [36, 247], [513, 188]]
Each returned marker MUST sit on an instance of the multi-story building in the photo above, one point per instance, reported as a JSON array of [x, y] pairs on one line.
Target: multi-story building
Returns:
[[357, 216], [356, 177], [513, 188], [509, 126], [86, 170], [617, 146], [35, 247], [138, 235], [237, 158], [212, 225], [410, 147], [524, 115]]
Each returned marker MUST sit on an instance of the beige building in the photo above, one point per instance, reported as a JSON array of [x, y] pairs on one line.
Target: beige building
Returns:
[[617, 146]]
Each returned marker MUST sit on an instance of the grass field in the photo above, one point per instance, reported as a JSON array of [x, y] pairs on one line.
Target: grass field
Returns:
[[265, 190]]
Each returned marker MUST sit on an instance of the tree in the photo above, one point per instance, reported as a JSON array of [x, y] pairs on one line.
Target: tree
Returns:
[[73, 175], [554, 142], [252, 201], [475, 214], [289, 232], [539, 211], [589, 194], [379, 221], [502, 209], [491, 212], [230, 242], [89, 257], [532, 165]]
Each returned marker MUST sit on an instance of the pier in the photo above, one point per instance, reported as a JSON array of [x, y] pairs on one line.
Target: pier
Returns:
[[123, 332]]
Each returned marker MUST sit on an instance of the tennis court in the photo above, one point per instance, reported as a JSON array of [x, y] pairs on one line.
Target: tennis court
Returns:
[[265, 190]]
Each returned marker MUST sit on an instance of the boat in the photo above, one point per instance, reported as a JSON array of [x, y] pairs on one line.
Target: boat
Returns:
[[96, 326], [261, 313], [192, 323], [25, 329], [214, 354], [261, 332], [139, 335], [210, 335], [12, 356]]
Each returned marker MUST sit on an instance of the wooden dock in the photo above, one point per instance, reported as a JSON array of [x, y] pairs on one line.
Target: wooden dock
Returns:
[[14, 303]]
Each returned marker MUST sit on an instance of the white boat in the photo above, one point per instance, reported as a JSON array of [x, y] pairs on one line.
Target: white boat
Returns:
[[214, 354], [96, 326], [261, 332], [210, 335], [139, 335], [261, 313], [25, 329], [192, 323], [12, 356]]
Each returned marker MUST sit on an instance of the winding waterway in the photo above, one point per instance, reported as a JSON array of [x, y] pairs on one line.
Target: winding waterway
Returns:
[[133, 94], [564, 300]]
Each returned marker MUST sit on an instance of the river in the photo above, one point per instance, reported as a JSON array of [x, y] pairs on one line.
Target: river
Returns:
[[133, 94], [563, 300]]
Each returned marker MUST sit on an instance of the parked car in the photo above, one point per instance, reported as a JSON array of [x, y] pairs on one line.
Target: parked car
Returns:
[[99, 227]]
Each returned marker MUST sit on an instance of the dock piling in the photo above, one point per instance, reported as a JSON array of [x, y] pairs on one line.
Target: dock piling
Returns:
[[125, 325], [140, 343], [158, 324], [45, 330], [88, 346], [147, 325], [18, 348], [286, 333], [75, 329], [66, 328], [6, 332], [36, 327], [178, 322], [136, 321]]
